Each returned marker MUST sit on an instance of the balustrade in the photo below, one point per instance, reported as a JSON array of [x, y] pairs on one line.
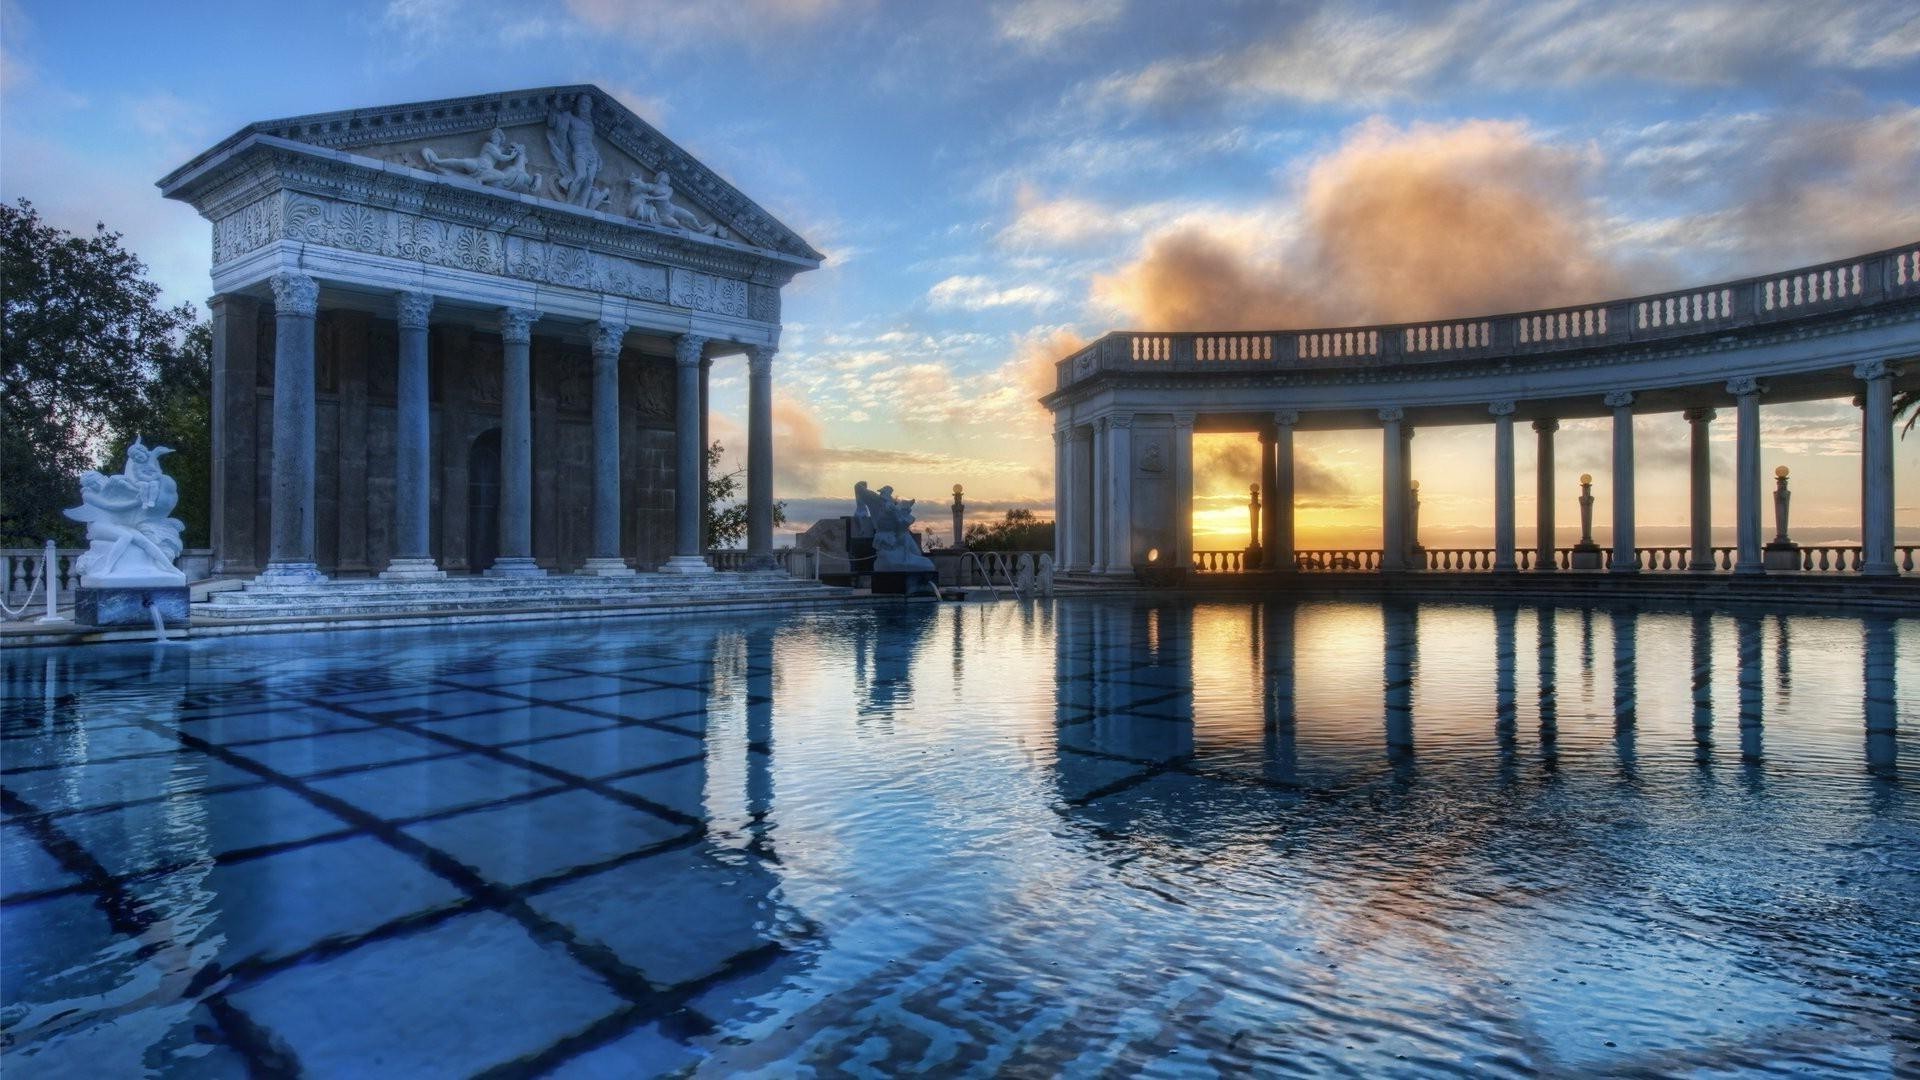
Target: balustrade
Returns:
[[1215, 348], [21, 567], [1659, 558]]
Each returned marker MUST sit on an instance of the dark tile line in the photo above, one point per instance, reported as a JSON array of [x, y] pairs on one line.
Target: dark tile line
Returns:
[[1127, 782]]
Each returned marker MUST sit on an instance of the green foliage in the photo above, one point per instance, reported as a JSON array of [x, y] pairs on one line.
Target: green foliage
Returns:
[[1018, 531], [726, 510], [88, 356], [1906, 404]]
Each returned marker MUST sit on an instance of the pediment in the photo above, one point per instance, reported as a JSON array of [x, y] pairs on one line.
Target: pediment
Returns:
[[575, 145]]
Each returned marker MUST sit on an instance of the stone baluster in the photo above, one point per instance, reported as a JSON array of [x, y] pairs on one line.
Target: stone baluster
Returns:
[[1393, 555], [1876, 469], [760, 458], [1746, 395], [608, 339], [290, 554], [1624, 561], [1503, 524], [689, 502], [1543, 528], [516, 446], [1700, 557]]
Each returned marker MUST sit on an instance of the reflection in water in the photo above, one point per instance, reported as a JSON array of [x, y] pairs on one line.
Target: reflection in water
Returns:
[[1096, 835]]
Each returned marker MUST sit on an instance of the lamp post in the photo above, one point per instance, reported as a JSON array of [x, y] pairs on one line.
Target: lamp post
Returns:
[[1586, 553], [1253, 554], [1416, 555], [1781, 553], [959, 521]]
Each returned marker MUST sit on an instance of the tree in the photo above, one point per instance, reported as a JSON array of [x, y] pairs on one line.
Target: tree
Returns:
[[1018, 531], [84, 344], [1906, 403], [726, 517]]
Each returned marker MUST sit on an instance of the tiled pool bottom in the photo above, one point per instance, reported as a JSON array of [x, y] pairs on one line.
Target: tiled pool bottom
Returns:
[[1038, 840]]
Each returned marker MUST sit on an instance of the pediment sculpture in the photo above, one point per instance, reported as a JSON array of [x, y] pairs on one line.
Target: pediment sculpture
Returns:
[[498, 164], [131, 539]]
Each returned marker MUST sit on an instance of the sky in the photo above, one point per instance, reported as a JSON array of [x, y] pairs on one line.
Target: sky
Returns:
[[995, 181]]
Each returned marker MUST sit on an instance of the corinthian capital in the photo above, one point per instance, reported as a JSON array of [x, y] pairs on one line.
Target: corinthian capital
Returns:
[[1501, 408], [1392, 414], [516, 325], [1619, 399], [760, 360], [1743, 386], [1869, 370], [1286, 418], [295, 294], [608, 337], [687, 349], [413, 309], [1546, 425]]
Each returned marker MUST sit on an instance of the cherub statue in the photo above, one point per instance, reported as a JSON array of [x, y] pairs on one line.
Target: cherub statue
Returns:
[[652, 203], [131, 540]]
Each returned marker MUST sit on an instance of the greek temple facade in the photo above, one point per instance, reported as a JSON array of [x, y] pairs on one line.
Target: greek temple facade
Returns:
[[1127, 406], [475, 335]]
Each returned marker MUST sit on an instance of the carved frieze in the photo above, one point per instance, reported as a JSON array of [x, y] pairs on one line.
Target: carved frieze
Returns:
[[707, 292]]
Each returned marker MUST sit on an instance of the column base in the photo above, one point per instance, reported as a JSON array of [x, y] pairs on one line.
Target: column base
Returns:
[[686, 564], [413, 570], [1749, 569], [514, 567], [605, 566], [1886, 569], [290, 573]]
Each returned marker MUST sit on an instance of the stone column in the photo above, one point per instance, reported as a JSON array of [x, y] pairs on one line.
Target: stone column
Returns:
[[1624, 559], [1181, 557], [412, 447], [236, 360], [1393, 499], [759, 457], [1081, 491], [1544, 547], [1503, 527], [1409, 491], [689, 509], [1120, 475], [1876, 469], [706, 440], [1700, 559], [296, 300], [1279, 494], [1100, 500], [1062, 498], [1746, 467], [608, 337], [516, 446]]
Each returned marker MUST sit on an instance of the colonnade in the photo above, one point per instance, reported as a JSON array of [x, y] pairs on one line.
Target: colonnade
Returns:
[[1098, 531], [291, 558]]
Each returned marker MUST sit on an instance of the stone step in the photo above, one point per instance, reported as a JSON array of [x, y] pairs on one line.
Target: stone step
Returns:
[[481, 593], [552, 583], [377, 606]]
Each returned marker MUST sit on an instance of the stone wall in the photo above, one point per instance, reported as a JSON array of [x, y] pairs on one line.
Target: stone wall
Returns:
[[355, 359]]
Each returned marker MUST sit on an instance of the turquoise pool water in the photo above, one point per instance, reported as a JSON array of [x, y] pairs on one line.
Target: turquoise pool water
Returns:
[[1057, 839]]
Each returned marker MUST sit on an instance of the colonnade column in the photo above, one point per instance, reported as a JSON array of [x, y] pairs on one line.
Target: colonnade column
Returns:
[[1625, 560], [1263, 529], [689, 508], [1503, 540], [1279, 493], [1120, 476], [1101, 500], [1700, 559], [760, 457], [1876, 469], [1062, 498], [1182, 556], [1080, 523], [1393, 533], [1746, 465], [608, 337], [516, 446], [1545, 550], [290, 556]]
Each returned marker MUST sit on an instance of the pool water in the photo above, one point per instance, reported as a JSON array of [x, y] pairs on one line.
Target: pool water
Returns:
[[1092, 836]]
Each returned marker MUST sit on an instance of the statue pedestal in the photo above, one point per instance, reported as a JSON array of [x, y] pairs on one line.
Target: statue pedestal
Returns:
[[117, 605], [903, 583], [1586, 557], [1779, 556]]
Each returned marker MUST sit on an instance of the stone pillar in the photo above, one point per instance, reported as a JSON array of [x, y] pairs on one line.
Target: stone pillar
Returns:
[[412, 447], [1409, 491], [608, 337], [1120, 475], [1876, 469], [1081, 491], [706, 440], [1393, 500], [759, 457], [1100, 499], [689, 498], [1279, 542], [236, 360], [290, 556], [1544, 548], [1701, 558], [1625, 561], [1181, 557], [1062, 498], [516, 446], [1503, 527], [1746, 470]]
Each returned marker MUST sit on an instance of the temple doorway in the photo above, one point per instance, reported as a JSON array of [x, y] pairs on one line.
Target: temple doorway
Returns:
[[483, 501]]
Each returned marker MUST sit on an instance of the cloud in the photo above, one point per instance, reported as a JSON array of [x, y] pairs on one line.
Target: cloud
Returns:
[[702, 25], [975, 292], [1334, 56], [1396, 224], [1039, 25]]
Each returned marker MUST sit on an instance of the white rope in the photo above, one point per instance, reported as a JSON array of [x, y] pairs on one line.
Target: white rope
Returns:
[[15, 613]]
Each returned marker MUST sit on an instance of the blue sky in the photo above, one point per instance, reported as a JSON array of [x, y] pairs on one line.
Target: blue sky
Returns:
[[992, 180]]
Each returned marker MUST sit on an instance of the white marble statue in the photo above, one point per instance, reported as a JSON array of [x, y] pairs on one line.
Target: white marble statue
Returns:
[[499, 164], [131, 542], [570, 137], [894, 548], [652, 203]]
